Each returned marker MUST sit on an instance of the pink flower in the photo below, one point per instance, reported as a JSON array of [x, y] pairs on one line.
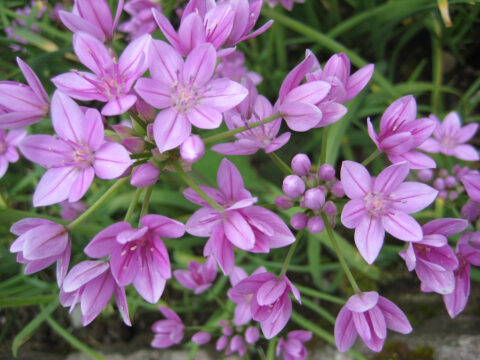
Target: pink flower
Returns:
[[8, 148], [400, 133], [382, 204], [239, 223], [468, 253], [449, 138], [71, 210], [112, 80], [40, 243], [198, 277], [144, 175], [369, 315], [471, 181], [74, 158], [168, 332], [270, 302], [93, 17], [22, 105], [293, 347], [142, 20], [138, 256], [201, 337], [91, 284], [432, 258], [186, 92]]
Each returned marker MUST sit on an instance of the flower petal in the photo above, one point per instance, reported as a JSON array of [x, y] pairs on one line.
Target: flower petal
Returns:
[[170, 129], [356, 180], [402, 226], [369, 237]]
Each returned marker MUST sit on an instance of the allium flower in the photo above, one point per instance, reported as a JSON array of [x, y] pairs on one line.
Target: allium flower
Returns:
[[138, 256], [471, 181], [8, 147], [74, 158], [270, 301], [40, 243], [369, 315], [186, 92], [168, 332], [400, 133], [468, 253], [382, 204], [293, 347], [432, 258], [198, 277], [91, 284], [239, 223], [142, 20], [450, 137], [112, 80], [93, 17], [22, 105]]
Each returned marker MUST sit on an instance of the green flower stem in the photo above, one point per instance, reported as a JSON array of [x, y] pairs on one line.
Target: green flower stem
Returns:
[[280, 163], [323, 153], [344, 264], [195, 187], [290, 253], [229, 133], [146, 201], [133, 204], [97, 203], [372, 157]]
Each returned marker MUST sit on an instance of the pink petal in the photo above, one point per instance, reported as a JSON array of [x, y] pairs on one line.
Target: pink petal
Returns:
[[80, 85], [122, 304], [238, 231], [441, 282], [457, 300], [271, 291], [111, 161], [362, 302], [218, 23], [378, 322], [230, 180], [33, 80], [397, 143], [394, 316], [164, 226], [62, 264], [411, 197], [19, 97], [82, 273], [402, 226], [353, 213], [135, 59], [295, 76], [149, 283], [451, 124], [76, 24], [223, 94], [81, 184], [45, 241], [95, 296], [400, 112], [278, 142], [119, 105], [166, 28], [281, 315], [104, 243], [92, 53], [125, 264], [170, 129], [356, 180], [19, 119], [466, 153], [311, 92], [416, 160], [46, 150], [205, 117], [369, 237], [67, 118], [300, 116], [191, 34], [199, 65], [154, 92], [55, 186], [430, 145], [98, 14], [345, 332], [224, 253], [358, 81], [202, 221], [94, 131], [446, 226], [390, 178], [167, 64], [466, 133]]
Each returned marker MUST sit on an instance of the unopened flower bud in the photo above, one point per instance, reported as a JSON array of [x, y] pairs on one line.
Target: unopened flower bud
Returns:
[[146, 111], [326, 172], [315, 224], [192, 149], [301, 164], [439, 184], [252, 334], [314, 199], [330, 208], [222, 343], [201, 337], [452, 195], [227, 331], [337, 190], [299, 221], [425, 175], [293, 186], [442, 194], [135, 145], [144, 175], [150, 131], [450, 181], [443, 172], [123, 131], [456, 168], [471, 210], [283, 202]]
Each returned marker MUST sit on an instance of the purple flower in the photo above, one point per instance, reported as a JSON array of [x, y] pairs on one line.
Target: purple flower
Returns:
[[168, 332], [400, 133], [293, 347], [468, 253], [22, 105], [142, 20], [382, 204], [449, 138], [432, 258], [198, 277], [270, 302], [8, 147], [471, 181], [138, 256], [91, 284], [186, 92], [252, 335], [237, 344], [71, 210], [93, 17], [369, 315], [112, 80], [201, 337], [74, 158], [240, 224], [144, 175], [40, 243], [192, 149]]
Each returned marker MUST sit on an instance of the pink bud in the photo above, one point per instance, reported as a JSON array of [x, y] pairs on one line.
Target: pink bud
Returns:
[[442, 194], [123, 131], [135, 144], [450, 181], [227, 331], [222, 343], [150, 131], [301, 164], [337, 190], [330, 208], [201, 337], [470, 211], [315, 224], [314, 199], [299, 221], [145, 175], [443, 172], [283, 202], [439, 184], [192, 149], [252, 334], [293, 186], [452, 195], [425, 175], [146, 111], [326, 172]]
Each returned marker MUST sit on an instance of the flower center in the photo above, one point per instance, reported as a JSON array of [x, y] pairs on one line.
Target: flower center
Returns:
[[184, 96], [376, 202], [448, 142], [3, 147]]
